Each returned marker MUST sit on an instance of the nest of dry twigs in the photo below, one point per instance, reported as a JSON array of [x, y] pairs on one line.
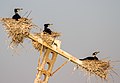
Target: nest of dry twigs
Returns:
[[17, 30], [97, 67], [47, 38]]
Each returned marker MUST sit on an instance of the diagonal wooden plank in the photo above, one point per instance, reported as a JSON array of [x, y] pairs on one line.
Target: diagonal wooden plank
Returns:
[[57, 50]]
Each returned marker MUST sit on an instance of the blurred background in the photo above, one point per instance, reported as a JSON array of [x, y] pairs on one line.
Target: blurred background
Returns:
[[86, 26]]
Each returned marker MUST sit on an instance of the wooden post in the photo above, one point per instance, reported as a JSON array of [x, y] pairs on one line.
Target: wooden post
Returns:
[[54, 50], [46, 66]]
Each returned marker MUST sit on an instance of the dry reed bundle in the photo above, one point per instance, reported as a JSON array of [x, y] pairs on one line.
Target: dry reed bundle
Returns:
[[49, 39], [97, 67], [38, 46], [17, 30]]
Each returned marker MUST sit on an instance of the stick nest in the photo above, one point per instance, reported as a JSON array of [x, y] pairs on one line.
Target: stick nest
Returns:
[[47, 38], [17, 30], [97, 67]]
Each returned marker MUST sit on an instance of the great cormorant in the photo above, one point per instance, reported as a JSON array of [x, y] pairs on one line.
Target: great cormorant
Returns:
[[92, 58], [46, 29], [16, 16]]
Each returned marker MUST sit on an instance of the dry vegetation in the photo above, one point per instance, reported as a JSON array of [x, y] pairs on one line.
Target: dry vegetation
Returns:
[[97, 67], [49, 39], [17, 30]]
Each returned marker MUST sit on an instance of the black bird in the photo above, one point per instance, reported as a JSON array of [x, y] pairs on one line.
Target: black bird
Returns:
[[46, 29], [16, 16], [92, 58]]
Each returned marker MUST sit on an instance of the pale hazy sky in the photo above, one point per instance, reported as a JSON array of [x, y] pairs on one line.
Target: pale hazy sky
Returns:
[[86, 26]]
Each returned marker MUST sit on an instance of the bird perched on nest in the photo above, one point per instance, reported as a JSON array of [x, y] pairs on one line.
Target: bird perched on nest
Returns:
[[46, 29], [16, 16], [93, 57]]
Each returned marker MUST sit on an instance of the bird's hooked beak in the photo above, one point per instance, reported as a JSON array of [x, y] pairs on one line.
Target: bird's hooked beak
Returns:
[[47, 25], [95, 53], [50, 24], [19, 9], [98, 52]]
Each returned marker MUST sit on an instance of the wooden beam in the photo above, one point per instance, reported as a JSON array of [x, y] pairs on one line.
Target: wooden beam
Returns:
[[56, 49]]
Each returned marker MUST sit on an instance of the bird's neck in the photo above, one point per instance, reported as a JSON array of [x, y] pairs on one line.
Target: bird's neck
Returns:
[[45, 28], [16, 12], [94, 55]]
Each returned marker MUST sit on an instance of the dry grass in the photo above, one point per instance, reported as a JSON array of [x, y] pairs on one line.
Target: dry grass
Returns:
[[17, 30], [97, 67], [49, 39]]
